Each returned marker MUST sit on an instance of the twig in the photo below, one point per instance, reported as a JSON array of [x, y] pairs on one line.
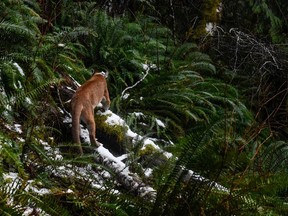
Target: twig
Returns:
[[139, 81]]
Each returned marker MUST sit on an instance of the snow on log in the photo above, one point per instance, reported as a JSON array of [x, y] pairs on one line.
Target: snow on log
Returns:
[[128, 180]]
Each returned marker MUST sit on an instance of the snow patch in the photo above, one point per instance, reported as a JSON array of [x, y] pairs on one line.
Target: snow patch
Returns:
[[210, 28], [69, 191], [113, 119], [20, 70], [190, 174], [167, 154], [148, 172], [67, 119], [138, 114], [28, 100], [52, 153], [16, 127], [149, 141], [105, 153], [160, 123], [131, 134], [15, 182], [125, 96], [122, 157], [149, 66], [85, 134]]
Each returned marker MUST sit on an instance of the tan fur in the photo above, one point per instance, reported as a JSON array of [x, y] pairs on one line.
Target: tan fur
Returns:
[[83, 102]]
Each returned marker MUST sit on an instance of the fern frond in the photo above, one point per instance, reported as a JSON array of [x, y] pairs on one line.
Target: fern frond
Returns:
[[197, 56], [33, 94], [204, 67], [10, 30], [10, 153], [7, 207], [274, 156], [11, 78], [184, 50]]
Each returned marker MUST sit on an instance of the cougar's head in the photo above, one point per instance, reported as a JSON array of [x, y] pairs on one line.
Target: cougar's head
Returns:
[[103, 73]]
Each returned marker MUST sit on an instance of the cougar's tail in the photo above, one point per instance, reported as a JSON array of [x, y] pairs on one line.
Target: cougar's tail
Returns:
[[76, 113]]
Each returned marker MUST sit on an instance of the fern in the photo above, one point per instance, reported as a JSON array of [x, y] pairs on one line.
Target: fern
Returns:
[[275, 23], [11, 79], [10, 155], [16, 199], [273, 157], [185, 98], [16, 29], [213, 152], [6, 198], [184, 50]]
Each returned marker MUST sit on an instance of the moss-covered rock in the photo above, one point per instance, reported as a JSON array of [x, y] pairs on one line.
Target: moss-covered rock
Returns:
[[112, 136]]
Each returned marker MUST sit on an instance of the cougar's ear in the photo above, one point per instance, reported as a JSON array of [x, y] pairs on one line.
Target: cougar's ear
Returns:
[[105, 73], [93, 72]]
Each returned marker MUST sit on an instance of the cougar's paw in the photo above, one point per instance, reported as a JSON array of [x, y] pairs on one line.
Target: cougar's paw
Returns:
[[98, 144]]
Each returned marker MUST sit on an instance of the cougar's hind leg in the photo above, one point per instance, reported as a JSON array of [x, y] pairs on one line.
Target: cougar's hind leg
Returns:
[[80, 149], [91, 126]]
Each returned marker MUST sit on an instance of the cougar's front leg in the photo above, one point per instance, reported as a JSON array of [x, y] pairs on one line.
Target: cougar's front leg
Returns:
[[107, 102], [91, 126], [92, 133]]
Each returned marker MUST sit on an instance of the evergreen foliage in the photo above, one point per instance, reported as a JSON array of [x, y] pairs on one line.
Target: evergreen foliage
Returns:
[[208, 102], [269, 18], [228, 149]]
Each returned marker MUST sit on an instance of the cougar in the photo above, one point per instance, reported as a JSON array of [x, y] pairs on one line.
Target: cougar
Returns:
[[83, 102]]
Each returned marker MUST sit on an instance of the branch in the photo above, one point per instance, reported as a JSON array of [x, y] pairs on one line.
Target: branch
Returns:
[[147, 69]]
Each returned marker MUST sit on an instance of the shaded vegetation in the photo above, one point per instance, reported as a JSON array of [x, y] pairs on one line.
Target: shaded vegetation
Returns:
[[216, 100]]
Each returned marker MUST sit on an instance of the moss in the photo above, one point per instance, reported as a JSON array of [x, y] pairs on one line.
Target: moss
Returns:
[[112, 136], [209, 15], [148, 150], [151, 157], [110, 130]]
